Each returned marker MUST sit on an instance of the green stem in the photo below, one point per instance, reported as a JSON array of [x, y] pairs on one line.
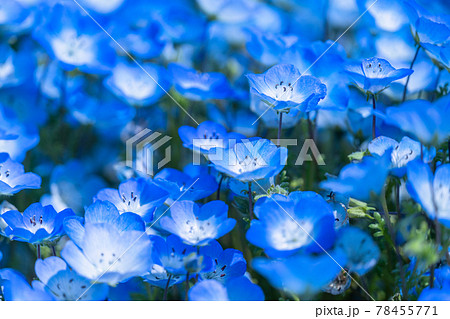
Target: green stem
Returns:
[[166, 289], [220, 185], [405, 89], [387, 218], [374, 119], [250, 200], [280, 124], [187, 287]]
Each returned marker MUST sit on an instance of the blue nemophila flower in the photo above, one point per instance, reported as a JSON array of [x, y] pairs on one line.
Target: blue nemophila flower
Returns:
[[207, 136], [197, 225], [359, 180], [424, 121], [440, 54], [268, 47], [102, 6], [5, 206], [75, 40], [250, 160], [361, 251], [140, 196], [72, 185], [286, 90], [64, 284], [285, 225], [301, 274], [425, 26], [341, 218], [13, 178], [402, 153], [100, 251], [181, 24], [16, 288], [37, 225], [237, 289], [102, 212], [441, 289], [200, 86], [15, 67], [374, 74], [173, 258], [16, 137], [431, 192], [136, 86], [190, 184], [143, 40], [228, 263], [11, 12], [108, 119]]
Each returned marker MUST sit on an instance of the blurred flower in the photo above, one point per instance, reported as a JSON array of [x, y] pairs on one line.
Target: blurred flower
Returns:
[[16, 287], [287, 224], [198, 86], [424, 121], [72, 185], [207, 136], [238, 289], [102, 6], [75, 40], [431, 192], [426, 27], [361, 251], [359, 180], [136, 86], [64, 284], [15, 67], [300, 274]]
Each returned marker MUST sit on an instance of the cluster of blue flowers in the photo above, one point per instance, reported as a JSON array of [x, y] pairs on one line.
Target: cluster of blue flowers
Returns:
[[234, 209]]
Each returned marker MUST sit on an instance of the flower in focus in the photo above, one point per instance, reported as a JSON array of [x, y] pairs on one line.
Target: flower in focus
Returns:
[[197, 225], [37, 225], [374, 74], [13, 178], [250, 160], [284, 89], [402, 153], [140, 196]]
